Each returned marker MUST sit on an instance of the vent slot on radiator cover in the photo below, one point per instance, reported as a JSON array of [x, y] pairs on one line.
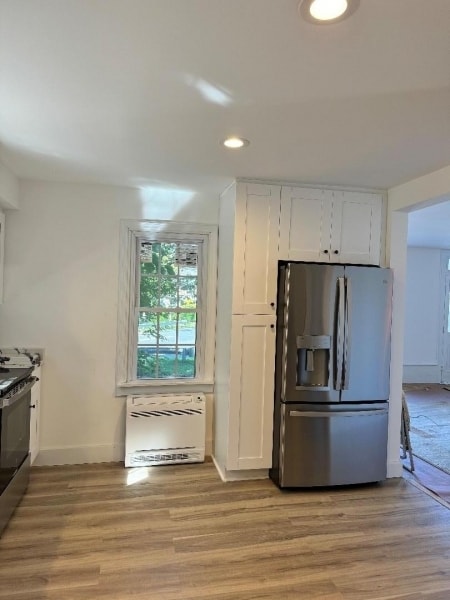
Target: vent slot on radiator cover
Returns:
[[165, 429]]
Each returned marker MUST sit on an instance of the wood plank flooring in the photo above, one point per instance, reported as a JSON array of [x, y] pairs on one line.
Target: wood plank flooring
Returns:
[[429, 411], [82, 533], [430, 477]]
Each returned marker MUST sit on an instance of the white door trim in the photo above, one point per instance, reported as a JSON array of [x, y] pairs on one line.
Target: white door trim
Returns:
[[445, 333]]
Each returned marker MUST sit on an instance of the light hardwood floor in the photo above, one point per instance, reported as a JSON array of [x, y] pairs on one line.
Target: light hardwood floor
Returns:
[[82, 533]]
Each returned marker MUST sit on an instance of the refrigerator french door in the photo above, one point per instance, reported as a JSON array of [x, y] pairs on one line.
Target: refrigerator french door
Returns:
[[331, 374]]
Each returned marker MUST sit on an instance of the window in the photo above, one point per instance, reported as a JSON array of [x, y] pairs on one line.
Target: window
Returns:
[[166, 305], [167, 290]]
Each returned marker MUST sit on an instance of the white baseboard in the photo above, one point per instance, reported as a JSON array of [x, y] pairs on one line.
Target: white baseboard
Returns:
[[244, 475], [421, 374], [76, 455], [394, 469]]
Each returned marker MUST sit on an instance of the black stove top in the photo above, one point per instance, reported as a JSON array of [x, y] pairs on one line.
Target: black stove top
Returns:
[[11, 377]]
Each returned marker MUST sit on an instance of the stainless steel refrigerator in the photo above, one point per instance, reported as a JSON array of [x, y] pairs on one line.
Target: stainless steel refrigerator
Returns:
[[331, 374]]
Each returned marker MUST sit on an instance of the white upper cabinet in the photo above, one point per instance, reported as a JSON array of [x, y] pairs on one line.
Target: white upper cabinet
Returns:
[[330, 226], [305, 223], [257, 218], [356, 228]]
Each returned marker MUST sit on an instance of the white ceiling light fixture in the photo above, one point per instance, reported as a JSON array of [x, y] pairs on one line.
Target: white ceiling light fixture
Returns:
[[327, 11], [235, 142]]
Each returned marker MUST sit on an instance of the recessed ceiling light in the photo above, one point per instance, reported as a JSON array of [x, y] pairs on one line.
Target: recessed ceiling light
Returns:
[[327, 11], [235, 142]]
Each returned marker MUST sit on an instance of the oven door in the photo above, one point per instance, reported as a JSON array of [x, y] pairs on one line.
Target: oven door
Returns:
[[14, 435]]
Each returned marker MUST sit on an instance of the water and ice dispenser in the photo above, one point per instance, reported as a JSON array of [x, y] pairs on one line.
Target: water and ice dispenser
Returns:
[[313, 361]]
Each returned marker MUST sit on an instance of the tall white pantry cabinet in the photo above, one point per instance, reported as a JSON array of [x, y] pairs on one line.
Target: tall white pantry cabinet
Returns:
[[260, 224]]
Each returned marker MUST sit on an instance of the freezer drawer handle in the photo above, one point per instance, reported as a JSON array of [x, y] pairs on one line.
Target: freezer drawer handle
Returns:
[[346, 413]]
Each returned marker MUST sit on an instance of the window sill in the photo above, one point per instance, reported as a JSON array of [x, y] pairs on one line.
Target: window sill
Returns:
[[142, 388]]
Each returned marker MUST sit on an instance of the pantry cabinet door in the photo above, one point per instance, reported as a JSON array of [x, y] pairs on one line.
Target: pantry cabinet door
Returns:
[[256, 249], [251, 392], [356, 228], [305, 224]]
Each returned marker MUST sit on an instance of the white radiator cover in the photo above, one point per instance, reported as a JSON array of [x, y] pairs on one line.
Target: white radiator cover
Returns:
[[165, 429]]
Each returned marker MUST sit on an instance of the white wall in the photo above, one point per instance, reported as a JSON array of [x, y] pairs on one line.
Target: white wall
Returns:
[[9, 188], [423, 316], [61, 278]]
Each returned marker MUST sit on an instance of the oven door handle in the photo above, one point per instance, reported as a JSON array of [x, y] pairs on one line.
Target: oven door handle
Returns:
[[4, 402]]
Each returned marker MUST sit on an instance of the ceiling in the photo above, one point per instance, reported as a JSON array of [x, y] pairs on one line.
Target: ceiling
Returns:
[[140, 92]]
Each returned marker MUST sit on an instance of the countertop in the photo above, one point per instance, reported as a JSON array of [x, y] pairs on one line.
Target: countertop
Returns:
[[24, 358]]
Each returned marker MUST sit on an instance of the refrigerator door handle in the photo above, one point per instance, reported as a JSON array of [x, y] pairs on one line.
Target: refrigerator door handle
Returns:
[[344, 413], [339, 333], [347, 332]]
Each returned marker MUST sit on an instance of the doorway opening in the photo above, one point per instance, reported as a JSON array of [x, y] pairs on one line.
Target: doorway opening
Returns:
[[426, 371]]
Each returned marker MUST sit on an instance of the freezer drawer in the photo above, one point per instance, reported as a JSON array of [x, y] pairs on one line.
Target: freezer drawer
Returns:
[[331, 448]]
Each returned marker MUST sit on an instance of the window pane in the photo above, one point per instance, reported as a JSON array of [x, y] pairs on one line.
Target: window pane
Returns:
[[147, 362], [168, 328], [165, 362], [169, 292], [188, 292], [146, 252], [149, 292], [189, 271], [150, 257], [187, 328], [186, 361], [147, 328], [156, 362], [167, 259], [187, 255], [168, 283]]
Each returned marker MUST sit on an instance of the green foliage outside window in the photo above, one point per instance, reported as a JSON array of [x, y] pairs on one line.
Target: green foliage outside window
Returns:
[[168, 302]]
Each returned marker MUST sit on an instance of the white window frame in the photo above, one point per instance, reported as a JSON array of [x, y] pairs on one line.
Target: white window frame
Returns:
[[130, 232]]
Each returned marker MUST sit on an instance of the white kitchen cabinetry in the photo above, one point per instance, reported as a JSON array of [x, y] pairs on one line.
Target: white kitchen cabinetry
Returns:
[[251, 391], [260, 224], [35, 411], [330, 226], [245, 333], [256, 224]]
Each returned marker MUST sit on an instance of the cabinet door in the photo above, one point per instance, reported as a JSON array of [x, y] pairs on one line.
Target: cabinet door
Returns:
[[256, 249], [35, 415], [356, 228], [305, 224], [251, 392]]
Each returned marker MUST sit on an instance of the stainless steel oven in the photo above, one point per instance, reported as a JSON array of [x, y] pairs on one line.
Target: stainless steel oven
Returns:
[[15, 400]]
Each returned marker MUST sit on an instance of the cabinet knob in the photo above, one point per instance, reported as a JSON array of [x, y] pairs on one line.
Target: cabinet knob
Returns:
[[32, 405], [272, 326], [325, 251], [272, 304], [336, 251]]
